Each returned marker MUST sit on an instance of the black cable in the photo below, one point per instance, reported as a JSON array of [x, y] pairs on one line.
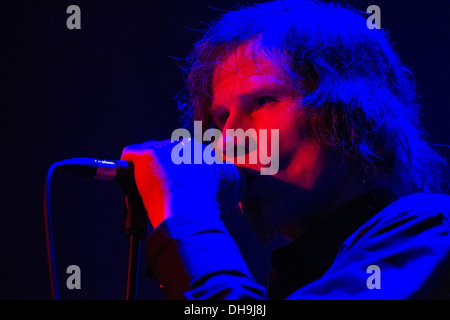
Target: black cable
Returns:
[[54, 287]]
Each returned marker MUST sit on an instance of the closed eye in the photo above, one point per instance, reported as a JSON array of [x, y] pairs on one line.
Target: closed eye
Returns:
[[262, 101]]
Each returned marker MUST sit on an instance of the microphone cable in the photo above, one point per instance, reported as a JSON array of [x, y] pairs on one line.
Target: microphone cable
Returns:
[[54, 287]]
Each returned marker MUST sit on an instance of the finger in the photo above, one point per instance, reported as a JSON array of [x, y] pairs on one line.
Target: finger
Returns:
[[129, 151], [153, 144], [128, 155], [152, 184]]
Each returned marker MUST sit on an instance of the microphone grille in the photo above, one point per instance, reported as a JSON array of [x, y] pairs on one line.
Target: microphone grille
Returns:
[[232, 185]]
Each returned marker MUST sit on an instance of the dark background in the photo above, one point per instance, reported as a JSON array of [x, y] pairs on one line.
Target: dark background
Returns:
[[90, 92]]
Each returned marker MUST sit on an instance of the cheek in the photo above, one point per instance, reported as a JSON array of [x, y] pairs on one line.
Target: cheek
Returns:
[[291, 125]]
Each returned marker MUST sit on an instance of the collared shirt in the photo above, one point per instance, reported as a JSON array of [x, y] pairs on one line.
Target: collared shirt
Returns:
[[399, 251]]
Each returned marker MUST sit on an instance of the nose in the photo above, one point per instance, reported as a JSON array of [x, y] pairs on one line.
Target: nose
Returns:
[[238, 137]]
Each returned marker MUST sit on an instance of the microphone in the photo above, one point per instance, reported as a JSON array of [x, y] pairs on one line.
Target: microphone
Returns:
[[232, 183]]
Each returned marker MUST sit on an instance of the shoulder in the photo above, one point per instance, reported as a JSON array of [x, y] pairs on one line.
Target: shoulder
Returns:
[[408, 242], [421, 202], [412, 215]]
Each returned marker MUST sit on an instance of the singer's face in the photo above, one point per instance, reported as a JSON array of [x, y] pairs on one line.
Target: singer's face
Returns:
[[249, 92]]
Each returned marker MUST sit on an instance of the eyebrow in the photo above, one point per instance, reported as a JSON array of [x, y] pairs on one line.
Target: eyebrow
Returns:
[[275, 90], [271, 88]]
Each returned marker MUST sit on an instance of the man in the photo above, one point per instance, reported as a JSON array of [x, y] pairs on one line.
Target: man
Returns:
[[356, 188]]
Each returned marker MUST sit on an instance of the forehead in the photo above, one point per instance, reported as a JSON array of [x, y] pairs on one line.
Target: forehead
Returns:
[[246, 67]]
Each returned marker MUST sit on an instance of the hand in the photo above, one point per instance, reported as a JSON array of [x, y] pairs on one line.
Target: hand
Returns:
[[168, 189]]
